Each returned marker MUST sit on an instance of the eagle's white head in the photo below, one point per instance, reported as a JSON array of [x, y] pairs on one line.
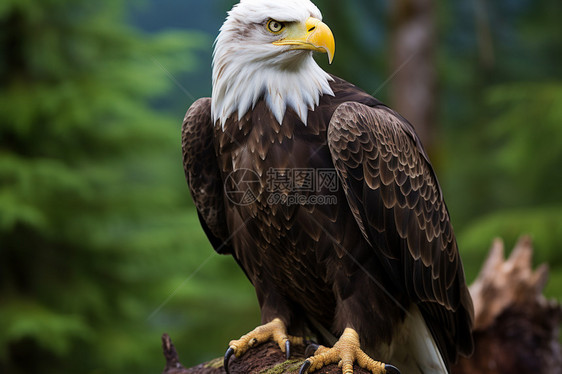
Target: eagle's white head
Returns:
[[264, 51]]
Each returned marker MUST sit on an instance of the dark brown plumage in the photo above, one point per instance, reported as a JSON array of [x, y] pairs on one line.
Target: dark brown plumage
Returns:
[[362, 262]]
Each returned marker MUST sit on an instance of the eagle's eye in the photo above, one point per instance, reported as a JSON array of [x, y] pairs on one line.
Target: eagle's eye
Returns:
[[275, 26]]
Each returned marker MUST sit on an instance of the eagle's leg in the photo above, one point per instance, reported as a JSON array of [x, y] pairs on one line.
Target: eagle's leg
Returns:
[[274, 330], [346, 352]]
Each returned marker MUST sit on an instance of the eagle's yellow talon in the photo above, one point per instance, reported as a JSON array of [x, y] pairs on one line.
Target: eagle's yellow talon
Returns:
[[274, 331], [345, 352]]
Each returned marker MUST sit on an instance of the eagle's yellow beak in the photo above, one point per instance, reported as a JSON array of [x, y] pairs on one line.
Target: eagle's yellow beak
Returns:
[[314, 36]]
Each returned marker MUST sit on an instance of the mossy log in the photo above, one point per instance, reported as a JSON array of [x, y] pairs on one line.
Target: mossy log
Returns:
[[264, 359]]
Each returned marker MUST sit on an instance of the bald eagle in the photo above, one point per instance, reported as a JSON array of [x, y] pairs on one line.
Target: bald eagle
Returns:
[[326, 199]]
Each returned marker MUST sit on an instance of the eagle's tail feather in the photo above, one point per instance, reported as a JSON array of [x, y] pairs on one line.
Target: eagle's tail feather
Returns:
[[420, 353]]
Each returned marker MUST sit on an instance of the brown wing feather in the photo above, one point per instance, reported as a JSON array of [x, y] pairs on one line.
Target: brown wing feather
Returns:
[[202, 173], [398, 204]]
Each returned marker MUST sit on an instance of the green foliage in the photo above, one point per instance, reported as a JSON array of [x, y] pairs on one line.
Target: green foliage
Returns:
[[512, 177], [542, 224], [515, 151], [93, 205], [501, 129], [527, 129]]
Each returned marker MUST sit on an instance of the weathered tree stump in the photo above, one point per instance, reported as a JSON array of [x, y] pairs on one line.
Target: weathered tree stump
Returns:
[[516, 328]]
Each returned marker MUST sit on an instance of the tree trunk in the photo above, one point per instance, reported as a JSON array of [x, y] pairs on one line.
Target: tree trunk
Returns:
[[413, 84]]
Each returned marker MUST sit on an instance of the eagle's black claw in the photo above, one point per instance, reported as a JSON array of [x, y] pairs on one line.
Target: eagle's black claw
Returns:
[[304, 367], [288, 349], [311, 349], [227, 356], [391, 369]]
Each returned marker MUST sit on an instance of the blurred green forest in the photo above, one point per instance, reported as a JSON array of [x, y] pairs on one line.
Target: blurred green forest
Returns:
[[100, 247]]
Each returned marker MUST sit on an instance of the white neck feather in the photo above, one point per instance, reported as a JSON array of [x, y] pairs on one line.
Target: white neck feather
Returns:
[[242, 77]]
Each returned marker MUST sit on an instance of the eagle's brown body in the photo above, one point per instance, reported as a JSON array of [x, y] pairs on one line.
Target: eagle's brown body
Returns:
[[382, 242]]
